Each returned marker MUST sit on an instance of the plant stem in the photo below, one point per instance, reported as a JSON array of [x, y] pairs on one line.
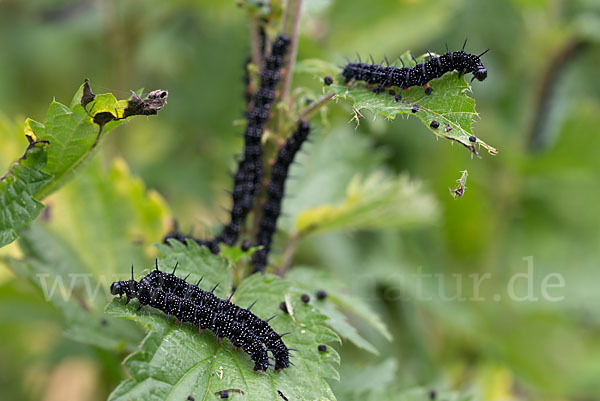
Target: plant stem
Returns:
[[255, 44], [538, 139], [291, 60], [288, 254], [313, 107], [286, 16], [306, 113]]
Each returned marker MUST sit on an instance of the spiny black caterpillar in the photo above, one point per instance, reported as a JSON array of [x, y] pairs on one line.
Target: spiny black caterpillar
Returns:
[[250, 169], [189, 303], [420, 74], [249, 173], [275, 192]]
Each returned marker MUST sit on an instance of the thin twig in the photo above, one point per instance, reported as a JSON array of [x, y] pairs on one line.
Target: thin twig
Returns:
[[289, 68], [288, 254]]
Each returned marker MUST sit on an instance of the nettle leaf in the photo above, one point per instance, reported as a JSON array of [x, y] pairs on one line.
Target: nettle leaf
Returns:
[[338, 304], [366, 382], [55, 267], [18, 206], [378, 201], [176, 362], [415, 394], [110, 216], [322, 175], [59, 146], [100, 221], [380, 382], [449, 104], [235, 253], [199, 263], [319, 68], [74, 132]]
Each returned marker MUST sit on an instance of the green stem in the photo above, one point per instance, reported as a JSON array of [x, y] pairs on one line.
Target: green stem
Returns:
[[308, 111]]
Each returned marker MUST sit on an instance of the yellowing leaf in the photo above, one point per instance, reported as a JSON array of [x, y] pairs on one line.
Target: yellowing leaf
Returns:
[[377, 202]]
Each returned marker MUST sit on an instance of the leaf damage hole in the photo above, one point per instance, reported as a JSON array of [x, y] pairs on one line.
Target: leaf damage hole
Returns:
[[155, 101]]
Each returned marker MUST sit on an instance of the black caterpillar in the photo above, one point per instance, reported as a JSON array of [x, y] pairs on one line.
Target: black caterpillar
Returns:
[[250, 168], [174, 296], [275, 193], [420, 74]]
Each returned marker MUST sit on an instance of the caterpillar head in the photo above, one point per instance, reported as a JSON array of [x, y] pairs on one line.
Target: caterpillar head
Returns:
[[480, 74], [116, 288], [128, 288]]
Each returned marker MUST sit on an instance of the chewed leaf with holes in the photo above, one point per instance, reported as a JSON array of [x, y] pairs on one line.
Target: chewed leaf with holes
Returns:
[[176, 362], [448, 105], [66, 139]]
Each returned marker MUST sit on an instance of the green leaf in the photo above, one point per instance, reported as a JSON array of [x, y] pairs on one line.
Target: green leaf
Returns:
[[449, 103], [198, 262], [58, 147], [339, 322], [380, 382], [175, 362], [372, 380], [376, 202], [235, 253], [18, 206], [338, 303], [74, 132], [112, 208], [55, 267], [322, 176], [393, 393], [98, 223], [319, 68]]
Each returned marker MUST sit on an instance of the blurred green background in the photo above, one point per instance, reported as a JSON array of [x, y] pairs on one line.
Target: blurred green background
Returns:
[[539, 197]]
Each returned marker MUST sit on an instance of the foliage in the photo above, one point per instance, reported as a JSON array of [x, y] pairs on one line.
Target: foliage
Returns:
[[99, 218], [177, 363], [57, 148], [376, 202], [448, 104], [66, 265], [18, 187], [338, 305], [378, 381]]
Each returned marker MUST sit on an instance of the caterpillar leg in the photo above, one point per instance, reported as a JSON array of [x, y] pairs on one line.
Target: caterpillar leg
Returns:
[[378, 89], [428, 89]]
